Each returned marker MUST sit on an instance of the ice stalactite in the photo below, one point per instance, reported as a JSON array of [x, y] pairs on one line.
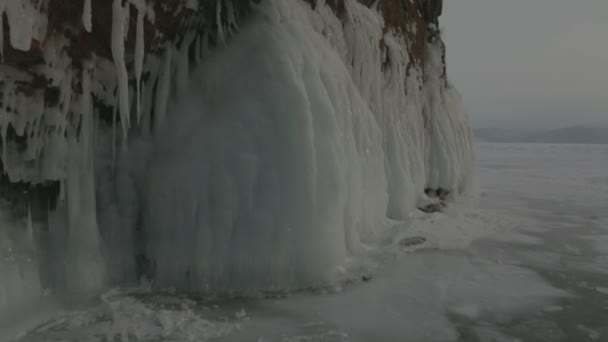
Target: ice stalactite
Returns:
[[163, 89], [120, 28], [114, 123], [87, 16], [232, 22], [2, 7], [139, 54], [182, 63], [148, 97], [85, 269], [220, 25]]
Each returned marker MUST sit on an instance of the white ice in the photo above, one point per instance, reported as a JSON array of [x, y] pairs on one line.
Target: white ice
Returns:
[[299, 162], [87, 16], [120, 28]]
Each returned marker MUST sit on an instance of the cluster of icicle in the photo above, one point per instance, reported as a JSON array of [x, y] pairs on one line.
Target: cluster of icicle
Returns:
[[116, 83], [62, 136]]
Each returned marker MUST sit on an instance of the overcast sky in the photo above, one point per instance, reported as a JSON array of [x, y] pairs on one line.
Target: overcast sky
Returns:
[[529, 63]]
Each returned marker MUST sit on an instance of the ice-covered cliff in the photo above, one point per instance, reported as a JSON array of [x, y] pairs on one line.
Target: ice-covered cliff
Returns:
[[216, 146]]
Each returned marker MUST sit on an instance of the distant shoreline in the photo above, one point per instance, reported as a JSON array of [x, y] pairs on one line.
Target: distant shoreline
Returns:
[[567, 135]]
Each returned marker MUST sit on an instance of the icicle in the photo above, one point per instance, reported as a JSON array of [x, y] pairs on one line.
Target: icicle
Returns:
[[4, 149], [86, 109], [163, 90], [86, 90], [232, 16], [114, 112], [199, 49], [2, 6], [218, 19], [139, 57], [120, 16], [30, 226], [192, 4], [183, 63], [147, 97], [205, 45], [21, 18], [4, 125], [95, 112], [86, 16]]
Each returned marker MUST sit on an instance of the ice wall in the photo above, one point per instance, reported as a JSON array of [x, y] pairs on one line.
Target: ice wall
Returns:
[[293, 147]]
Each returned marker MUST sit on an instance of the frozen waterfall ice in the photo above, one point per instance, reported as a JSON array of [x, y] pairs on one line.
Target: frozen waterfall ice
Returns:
[[287, 154]]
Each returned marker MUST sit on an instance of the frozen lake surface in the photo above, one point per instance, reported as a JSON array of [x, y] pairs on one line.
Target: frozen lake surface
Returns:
[[531, 264]]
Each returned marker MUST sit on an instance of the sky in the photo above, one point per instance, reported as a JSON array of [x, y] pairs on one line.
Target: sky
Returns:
[[529, 63]]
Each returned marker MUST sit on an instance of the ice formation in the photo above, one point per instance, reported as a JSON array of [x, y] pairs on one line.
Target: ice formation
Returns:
[[120, 29], [87, 16], [277, 189], [263, 165]]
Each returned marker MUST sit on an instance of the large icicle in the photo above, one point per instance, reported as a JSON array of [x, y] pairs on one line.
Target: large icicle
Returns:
[[163, 89], [84, 264], [182, 63], [120, 17], [2, 6], [139, 53], [232, 23], [218, 19], [87, 16], [22, 18]]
